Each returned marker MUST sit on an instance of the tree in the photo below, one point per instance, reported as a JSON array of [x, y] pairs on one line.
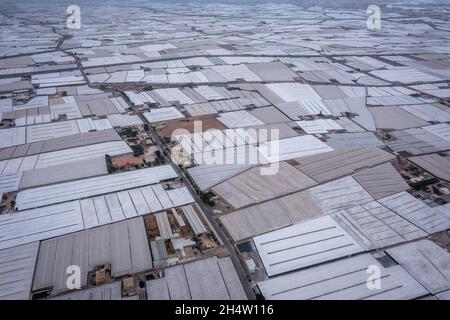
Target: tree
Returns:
[[109, 164], [138, 150]]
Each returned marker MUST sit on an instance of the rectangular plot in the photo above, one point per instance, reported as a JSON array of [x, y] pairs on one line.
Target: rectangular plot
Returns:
[[162, 196], [120, 249], [345, 279], [152, 200], [139, 202], [16, 269], [89, 213], [304, 244], [127, 204], [114, 207], [375, 226], [426, 262], [415, 211], [101, 208]]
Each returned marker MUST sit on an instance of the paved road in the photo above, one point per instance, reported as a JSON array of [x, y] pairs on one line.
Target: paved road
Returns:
[[218, 231]]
